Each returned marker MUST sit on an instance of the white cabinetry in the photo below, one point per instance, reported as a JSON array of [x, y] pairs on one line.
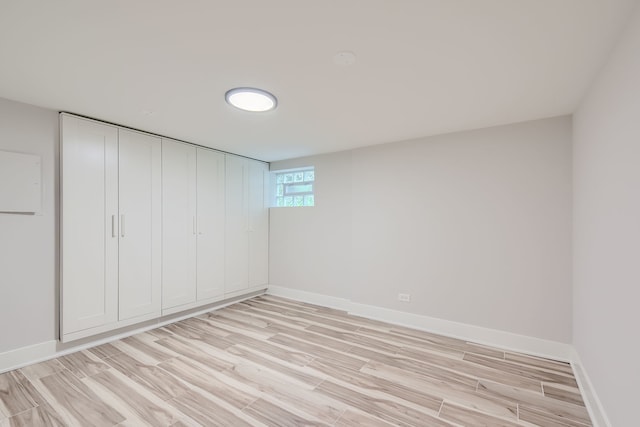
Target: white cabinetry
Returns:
[[89, 227], [111, 249], [210, 223], [258, 224], [237, 224], [247, 225], [178, 224], [140, 251], [193, 225], [153, 226]]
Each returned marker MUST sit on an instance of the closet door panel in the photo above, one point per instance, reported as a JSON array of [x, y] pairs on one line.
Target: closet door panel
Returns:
[[140, 224], [258, 224], [236, 224], [211, 224], [178, 224], [89, 199]]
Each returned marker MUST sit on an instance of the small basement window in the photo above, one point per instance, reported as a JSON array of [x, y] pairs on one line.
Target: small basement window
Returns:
[[293, 187]]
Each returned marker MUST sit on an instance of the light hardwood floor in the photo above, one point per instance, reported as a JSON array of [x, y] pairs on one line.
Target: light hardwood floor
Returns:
[[275, 362]]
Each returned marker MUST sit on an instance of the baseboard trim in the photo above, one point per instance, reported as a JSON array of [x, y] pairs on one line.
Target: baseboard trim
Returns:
[[20, 357], [310, 297], [505, 340], [592, 401], [14, 359]]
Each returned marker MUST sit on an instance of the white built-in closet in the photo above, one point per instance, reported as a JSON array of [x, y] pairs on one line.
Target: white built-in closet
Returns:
[[152, 226]]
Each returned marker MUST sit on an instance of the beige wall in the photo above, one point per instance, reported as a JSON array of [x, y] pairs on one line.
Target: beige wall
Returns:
[[476, 226], [28, 243], [607, 230]]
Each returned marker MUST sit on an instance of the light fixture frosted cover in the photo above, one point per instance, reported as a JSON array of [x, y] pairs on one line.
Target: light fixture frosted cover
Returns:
[[251, 99]]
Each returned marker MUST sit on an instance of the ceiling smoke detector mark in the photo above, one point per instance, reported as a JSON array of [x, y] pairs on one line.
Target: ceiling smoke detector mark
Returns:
[[344, 58], [404, 297], [147, 112]]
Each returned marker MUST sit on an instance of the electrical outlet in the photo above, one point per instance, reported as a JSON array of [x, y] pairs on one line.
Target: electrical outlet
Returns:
[[404, 297]]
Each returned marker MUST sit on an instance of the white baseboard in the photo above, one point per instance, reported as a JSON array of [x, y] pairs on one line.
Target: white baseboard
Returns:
[[592, 401], [486, 336], [493, 337], [14, 359], [18, 358], [310, 297]]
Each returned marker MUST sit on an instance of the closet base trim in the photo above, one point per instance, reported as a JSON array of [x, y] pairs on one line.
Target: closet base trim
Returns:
[[36, 353]]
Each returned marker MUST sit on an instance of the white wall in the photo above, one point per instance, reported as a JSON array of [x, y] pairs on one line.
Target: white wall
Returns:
[[310, 248], [476, 226], [28, 243], [607, 230]]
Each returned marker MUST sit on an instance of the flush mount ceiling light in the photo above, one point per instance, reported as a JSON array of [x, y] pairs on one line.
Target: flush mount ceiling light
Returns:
[[251, 99]]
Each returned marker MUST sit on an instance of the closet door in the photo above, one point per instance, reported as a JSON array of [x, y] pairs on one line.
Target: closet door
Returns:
[[236, 224], [211, 223], [178, 224], [140, 194], [89, 198], [258, 224]]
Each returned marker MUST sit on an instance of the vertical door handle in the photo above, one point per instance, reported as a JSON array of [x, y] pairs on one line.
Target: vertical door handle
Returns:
[[113, 226], [122, 225]]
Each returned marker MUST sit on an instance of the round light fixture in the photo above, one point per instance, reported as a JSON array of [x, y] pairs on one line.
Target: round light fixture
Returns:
[[251, 99]]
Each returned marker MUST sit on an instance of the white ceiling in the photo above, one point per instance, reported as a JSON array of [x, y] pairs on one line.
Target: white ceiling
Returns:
[[423, 67]]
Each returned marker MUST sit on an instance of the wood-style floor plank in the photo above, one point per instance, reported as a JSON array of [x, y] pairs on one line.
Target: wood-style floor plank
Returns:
[[535, 401], [42, 369], [76, 403], [296, 373], [83, 364], [201, 377], [467, 417], [151, 377], [14, 397], [534, 373], [138, 407], [270, 361], [206, 411], [385, 409], [564, 393], [355, 418], [42, 415], [276, 416], [319, 351], [365, 381]]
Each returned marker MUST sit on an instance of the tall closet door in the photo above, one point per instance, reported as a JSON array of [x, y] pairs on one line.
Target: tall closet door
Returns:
[[89, 197], [140, 243], [236, 224], [258, 224], [211, 223], [178, 224]]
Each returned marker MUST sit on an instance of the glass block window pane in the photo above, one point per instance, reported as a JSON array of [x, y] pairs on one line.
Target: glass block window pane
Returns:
[[293, 188], [301, 188]]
